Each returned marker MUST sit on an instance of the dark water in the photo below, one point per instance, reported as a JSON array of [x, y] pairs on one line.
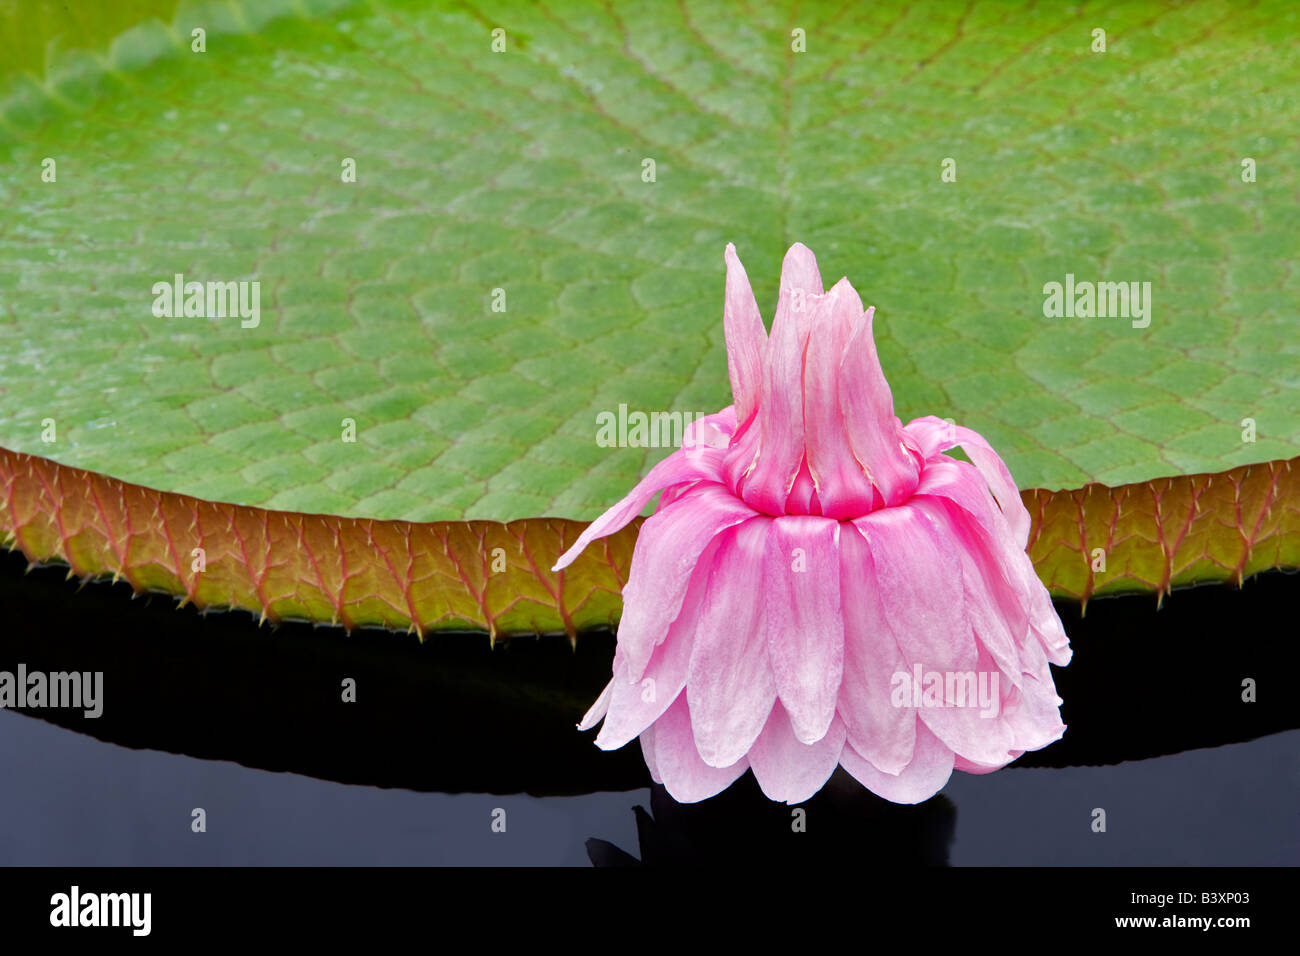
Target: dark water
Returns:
[[70, 799], [209, 711]]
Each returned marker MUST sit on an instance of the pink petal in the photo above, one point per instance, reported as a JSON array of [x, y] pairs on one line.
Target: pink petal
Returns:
[[935, 435], [710, 432], [600, 707], [805, 628], [843, 490], [780, 413], [740, 458], [683, 465], [963, 485], [667, 550], [919, 581], [636, 703], [966, 766], [729, 684], [978, 733], [746, 337], [799, 273], [882, 733], [802, 499], [1033, 714], [919, 572], [789, 770], [995, 614], [780, 424], [647, 741], [698, 463], [1043, 619], [932, 435], [1000, 482], [705, 439], [920, 780], [687, 778], [868, 407]]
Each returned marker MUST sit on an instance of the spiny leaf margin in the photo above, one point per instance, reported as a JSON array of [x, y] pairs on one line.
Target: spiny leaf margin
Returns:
[[438, 576]]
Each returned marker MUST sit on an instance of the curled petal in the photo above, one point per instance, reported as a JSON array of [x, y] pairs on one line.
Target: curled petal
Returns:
[[932, 435], [919, 570], [710, 431], [935, 435], [601, 707], [1000, 483], [700, 459], [996, 614], [956, 481]]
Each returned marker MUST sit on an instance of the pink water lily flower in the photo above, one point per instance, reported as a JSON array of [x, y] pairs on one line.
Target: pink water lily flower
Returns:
[[821, 585]]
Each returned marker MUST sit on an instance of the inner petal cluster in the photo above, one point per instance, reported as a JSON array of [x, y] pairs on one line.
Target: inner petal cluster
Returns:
[[816, 431]]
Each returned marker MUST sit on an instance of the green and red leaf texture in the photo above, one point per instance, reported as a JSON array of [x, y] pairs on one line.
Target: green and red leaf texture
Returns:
[[495, 577], [282, 565], [1166, 533]]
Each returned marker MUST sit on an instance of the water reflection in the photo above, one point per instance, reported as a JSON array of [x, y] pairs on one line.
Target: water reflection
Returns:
[[843, 821]]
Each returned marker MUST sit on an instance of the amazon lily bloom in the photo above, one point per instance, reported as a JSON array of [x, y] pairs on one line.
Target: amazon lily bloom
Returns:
[[821, 585]]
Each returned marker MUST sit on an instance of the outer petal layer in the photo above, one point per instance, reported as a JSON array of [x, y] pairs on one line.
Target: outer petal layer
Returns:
[[687, 778], [935, 435], [729, 684], [789, 770], [805, 627], [700, 460], [921, 779], [883, 734], [666, 554]]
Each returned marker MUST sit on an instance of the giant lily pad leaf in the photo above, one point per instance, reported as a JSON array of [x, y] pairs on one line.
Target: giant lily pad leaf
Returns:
[[534, 237]]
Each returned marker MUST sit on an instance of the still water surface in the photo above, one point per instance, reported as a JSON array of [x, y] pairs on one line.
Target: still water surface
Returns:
[[69, 799]]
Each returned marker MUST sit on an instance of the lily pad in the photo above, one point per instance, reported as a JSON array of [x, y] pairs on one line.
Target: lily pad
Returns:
[[505, 266], [523, 171]]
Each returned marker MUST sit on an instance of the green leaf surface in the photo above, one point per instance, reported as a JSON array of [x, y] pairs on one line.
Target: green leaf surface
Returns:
[[522, 171]]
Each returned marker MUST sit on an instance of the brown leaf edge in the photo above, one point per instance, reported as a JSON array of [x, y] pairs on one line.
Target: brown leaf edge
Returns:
[[495, 577]]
